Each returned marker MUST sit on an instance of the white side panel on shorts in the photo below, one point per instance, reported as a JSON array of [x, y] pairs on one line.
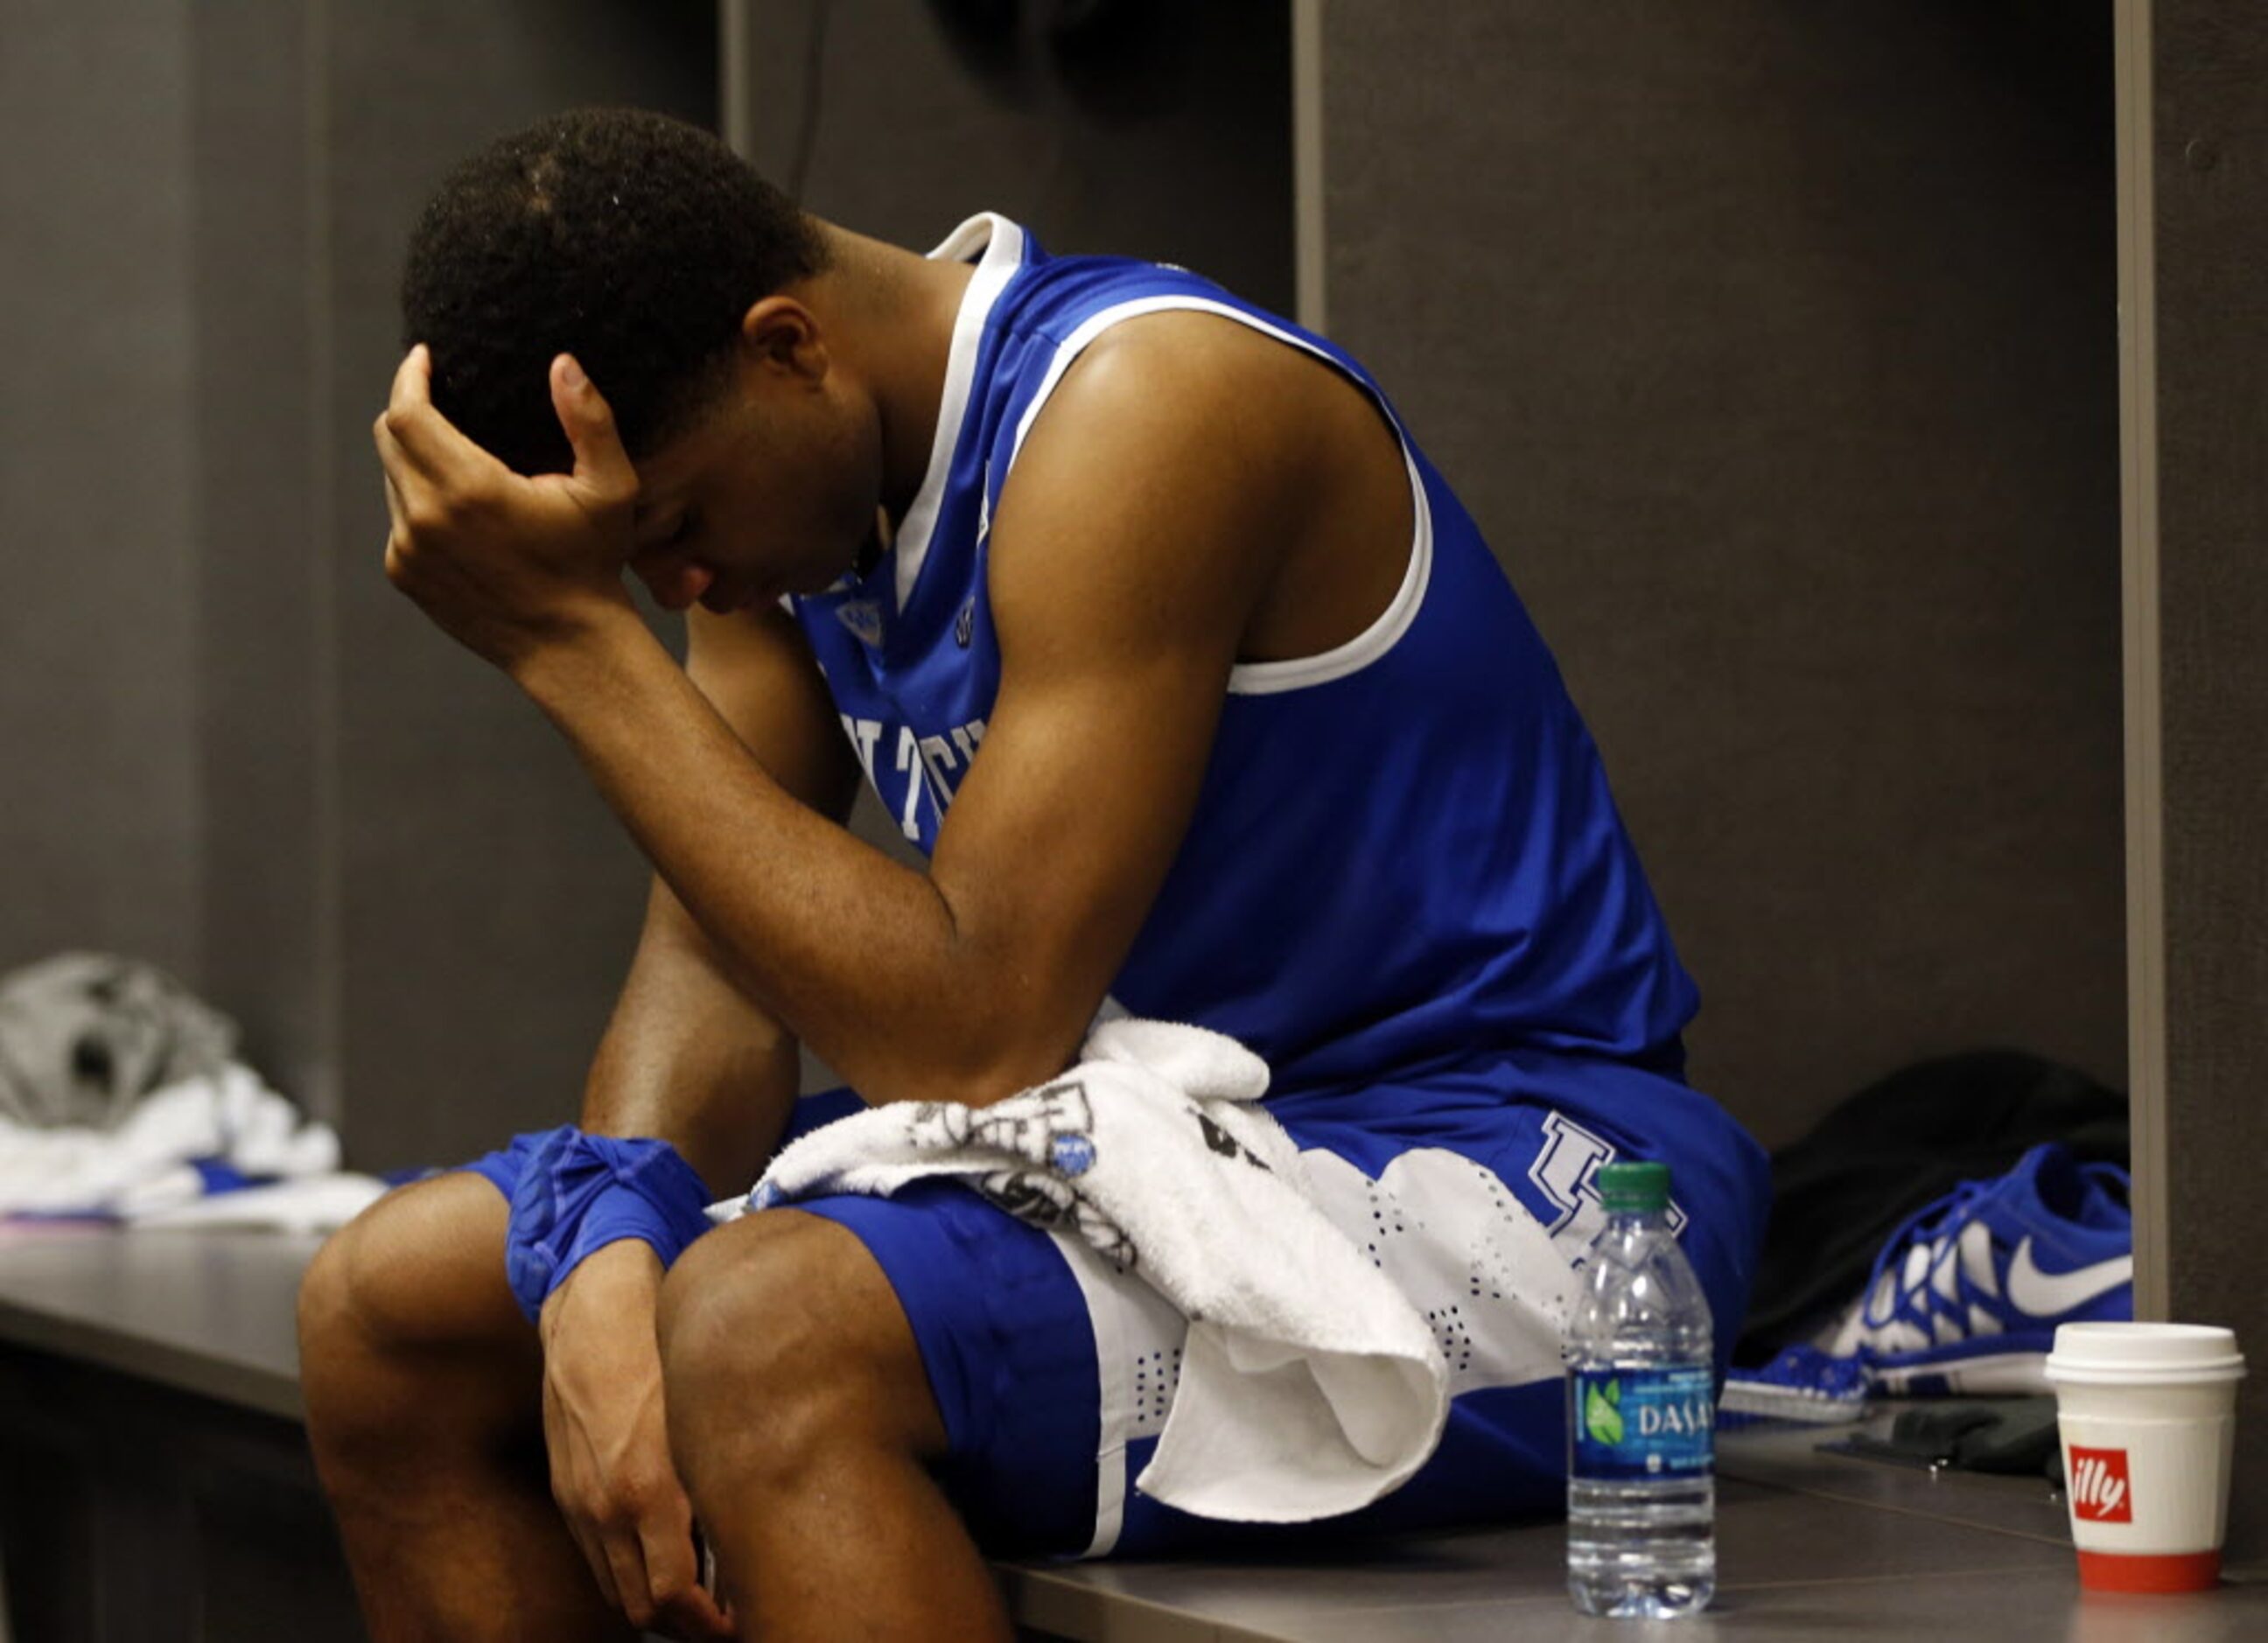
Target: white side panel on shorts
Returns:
[[1462, 1250], [1131, 1321], [1448, 1233]]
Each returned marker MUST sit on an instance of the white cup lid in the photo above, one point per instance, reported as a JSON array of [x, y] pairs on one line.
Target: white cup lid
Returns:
[[2143, 1352]]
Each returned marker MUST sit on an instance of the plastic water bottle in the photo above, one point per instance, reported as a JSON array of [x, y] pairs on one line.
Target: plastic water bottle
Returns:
[[1641, 1416]]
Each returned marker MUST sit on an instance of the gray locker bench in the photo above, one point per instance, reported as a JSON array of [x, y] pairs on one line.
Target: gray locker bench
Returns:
[[155, 1486]]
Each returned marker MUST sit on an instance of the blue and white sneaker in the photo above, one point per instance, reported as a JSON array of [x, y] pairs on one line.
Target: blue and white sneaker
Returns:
[[1965, 1297], [1802, 1383]]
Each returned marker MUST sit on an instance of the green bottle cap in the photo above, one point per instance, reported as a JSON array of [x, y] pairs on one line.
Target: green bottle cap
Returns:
[[1633, 1188]]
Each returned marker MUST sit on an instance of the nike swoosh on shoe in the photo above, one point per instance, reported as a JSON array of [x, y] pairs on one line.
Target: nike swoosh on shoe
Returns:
[[2045, 1294]]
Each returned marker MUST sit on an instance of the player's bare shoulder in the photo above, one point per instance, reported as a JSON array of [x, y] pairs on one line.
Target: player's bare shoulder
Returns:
[[1290, 471], [1161, 475], [1214, 370]]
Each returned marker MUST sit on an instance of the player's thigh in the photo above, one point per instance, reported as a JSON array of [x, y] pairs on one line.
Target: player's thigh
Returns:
[[1002, 1328]]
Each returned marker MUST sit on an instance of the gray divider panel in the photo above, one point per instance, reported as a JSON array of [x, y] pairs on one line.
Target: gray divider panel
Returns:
[[1774, 346], [2195, 231]]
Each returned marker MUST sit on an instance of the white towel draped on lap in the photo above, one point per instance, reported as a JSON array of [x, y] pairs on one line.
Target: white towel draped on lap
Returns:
[[1310, 1385]]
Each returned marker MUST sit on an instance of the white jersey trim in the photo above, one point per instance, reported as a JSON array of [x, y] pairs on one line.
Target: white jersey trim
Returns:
[[1002, 243], [1297, 672]]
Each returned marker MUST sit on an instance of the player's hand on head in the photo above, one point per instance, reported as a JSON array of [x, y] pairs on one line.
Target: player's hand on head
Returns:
[[505, 563], [604, 1429]]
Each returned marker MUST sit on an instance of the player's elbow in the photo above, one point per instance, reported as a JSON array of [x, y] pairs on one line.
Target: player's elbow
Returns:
[[993, 1052], [1007, 1079], [979, 1081]]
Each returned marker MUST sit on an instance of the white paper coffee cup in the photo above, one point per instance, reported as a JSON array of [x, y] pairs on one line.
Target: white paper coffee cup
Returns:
[[2147, 1415]]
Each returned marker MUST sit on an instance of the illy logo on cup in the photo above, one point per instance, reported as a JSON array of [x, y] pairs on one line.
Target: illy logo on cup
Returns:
[[2099, 1492]]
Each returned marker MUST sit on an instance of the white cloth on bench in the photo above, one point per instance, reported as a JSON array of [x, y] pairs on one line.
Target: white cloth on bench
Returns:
[[1310, 1385], [179, 1144]]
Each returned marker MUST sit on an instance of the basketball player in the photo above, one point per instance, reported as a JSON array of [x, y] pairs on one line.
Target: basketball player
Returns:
[[1154, 631]]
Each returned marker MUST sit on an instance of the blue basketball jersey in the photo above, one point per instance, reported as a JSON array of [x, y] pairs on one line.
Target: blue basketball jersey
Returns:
[[1404, 852]]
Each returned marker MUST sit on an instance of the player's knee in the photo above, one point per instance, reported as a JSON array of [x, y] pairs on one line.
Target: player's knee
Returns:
[[732, 1315], [422, 1268], [769, 1333], [336, 1302], [411, 1288]]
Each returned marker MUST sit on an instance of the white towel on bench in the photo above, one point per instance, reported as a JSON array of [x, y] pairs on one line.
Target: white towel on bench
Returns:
[[1310, 1385], [148, 1163]]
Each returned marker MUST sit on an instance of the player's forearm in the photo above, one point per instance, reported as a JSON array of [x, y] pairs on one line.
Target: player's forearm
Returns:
[[864, 959], [689, 1058]]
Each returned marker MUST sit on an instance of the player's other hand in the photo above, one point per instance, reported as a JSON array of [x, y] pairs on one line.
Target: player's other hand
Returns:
[[505, 564], [610, 1466]]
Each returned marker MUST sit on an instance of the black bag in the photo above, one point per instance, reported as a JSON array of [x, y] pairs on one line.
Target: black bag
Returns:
[[1890, 1149]]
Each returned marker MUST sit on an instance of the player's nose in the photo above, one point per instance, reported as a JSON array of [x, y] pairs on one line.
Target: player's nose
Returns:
[[674, 581]]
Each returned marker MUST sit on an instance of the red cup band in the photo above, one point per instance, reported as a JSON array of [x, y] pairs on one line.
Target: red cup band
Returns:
[[2134, 1571]]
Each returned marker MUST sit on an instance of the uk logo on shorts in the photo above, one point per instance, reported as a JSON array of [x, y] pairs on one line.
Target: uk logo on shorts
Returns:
[[2099, 1493]]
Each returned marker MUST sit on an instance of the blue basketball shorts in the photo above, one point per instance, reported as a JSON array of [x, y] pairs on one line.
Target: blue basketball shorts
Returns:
[[1054, 1374]]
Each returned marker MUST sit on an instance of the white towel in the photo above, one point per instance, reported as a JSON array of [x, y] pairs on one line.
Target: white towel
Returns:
[[146, 1164], [1310, 1385]]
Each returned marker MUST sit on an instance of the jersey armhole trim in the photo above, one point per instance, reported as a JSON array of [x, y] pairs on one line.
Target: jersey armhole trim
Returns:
[[1301, 672]]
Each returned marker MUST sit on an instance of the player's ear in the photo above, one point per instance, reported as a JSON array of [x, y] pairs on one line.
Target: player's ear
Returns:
[[779, 334]]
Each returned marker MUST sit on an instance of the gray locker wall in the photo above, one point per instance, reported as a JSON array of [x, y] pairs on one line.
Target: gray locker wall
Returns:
[[1774, 346], [100, 782], [1168, 138], [225, 744]]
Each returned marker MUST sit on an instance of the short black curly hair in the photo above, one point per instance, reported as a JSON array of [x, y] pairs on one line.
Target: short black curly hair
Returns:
[[633, 241]]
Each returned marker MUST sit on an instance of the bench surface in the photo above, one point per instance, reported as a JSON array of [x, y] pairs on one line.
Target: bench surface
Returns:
[[1807, 1543]]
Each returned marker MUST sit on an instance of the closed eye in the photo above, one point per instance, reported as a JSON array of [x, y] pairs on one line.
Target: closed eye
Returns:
[[679, 531]]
